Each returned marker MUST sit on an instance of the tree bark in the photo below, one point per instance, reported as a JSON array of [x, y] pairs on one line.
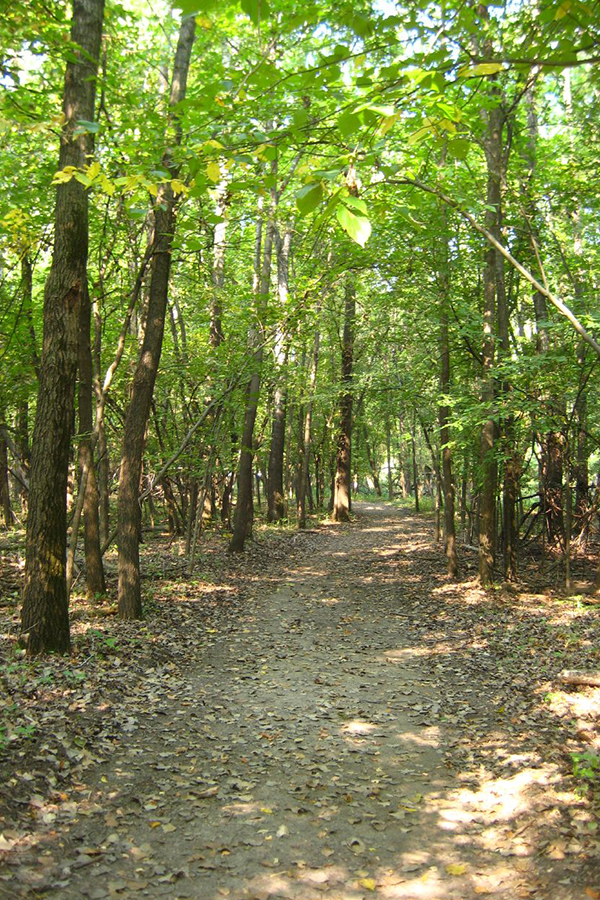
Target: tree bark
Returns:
[[444, 422], [275, 497], [489, 468], [45, 616], [303, 474], [94, 570], [343, 470], [5, 508], [244, 514], [129, 510]]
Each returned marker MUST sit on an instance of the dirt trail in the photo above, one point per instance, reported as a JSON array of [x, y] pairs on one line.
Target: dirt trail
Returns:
[[333, 745]]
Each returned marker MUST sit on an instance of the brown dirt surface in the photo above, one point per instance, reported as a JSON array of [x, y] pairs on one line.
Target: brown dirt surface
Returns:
[[327, 716]]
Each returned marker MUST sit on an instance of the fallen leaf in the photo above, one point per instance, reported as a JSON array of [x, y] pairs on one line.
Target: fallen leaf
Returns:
[[368, 883], [456, 868]]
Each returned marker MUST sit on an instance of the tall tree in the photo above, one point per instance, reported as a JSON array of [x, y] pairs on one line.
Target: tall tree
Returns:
[[243, 518], [343, 470], [129, 511], [45, 617]]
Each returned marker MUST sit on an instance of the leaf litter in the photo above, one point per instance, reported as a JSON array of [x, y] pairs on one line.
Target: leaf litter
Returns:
[[325, 716]]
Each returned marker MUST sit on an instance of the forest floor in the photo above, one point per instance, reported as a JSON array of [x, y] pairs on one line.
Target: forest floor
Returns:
[[326, 716]]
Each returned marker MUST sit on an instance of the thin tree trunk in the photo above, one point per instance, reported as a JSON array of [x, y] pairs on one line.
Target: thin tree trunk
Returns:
[[275, 498], [94, 570], [487, 497], [444, 420], [45, 616], [129, 512], [5, 508], [303, 485], [343, 470], [388, 443], [242, 523], [415, 471]]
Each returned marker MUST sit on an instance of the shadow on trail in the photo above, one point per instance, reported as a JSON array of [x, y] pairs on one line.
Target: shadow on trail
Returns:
[[367, 729]]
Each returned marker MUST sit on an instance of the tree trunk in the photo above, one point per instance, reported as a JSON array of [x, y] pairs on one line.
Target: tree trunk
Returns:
[[45, 616], [388, 447], [487, 498], [94, 570], [415, 471], [372, 466], [129, 512], [5, 508], [444, 420], [343, 471], [242, 522], [103, 459], [275, 498], [303, 485]]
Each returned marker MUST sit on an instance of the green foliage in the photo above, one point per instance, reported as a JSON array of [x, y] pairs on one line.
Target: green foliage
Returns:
[[586, 769]]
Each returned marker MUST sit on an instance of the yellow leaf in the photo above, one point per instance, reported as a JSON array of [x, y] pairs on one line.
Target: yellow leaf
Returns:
[[203, 22], [418, 135], [213, 170], [456, 868], [178, 187], [93, 170], [107, 186], [63, 175], [368, 883], [387, 123], [481, 69], [153, 824], [267, 810], [447, 125]]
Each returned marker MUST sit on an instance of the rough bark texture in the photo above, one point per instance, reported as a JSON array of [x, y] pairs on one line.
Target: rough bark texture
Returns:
[[244, 514], [275, 493], [94, 570], [341, 499], [303, 484], [487, 502], [45, 617], [129, 510], [103, 460], [444, 420], [5, 509]]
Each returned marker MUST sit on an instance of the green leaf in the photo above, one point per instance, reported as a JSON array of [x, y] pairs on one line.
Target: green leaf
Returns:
[[356, 227], [85, 127], [256, 9], [309, 197], [356, 203], [348, 123], [192, 7], [458, 148]]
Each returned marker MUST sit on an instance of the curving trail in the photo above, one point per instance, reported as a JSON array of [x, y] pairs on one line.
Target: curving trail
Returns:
[[342, 742]]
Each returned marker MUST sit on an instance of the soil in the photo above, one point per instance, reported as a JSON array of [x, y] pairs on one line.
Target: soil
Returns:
[[334, 719]]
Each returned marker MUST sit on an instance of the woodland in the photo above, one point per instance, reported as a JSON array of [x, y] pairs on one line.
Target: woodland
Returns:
[[260, 260], [293, 252]]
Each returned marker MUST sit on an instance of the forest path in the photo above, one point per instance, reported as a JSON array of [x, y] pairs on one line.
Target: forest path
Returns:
[[329, 746]]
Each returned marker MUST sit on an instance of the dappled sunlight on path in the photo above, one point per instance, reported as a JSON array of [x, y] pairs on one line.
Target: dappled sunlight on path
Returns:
[[351, 737]]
